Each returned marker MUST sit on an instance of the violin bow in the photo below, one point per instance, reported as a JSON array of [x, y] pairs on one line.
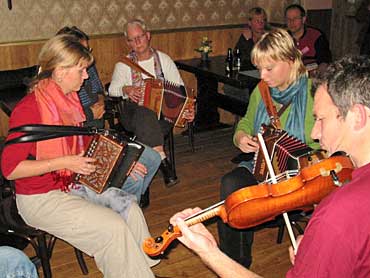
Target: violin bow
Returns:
[[274, 181]]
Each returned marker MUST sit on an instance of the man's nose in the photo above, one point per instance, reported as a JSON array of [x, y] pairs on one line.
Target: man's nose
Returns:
[[315, 132]]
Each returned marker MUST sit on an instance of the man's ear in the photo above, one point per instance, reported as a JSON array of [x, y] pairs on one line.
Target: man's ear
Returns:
[[304, 19], [148, 35], [359, 116]]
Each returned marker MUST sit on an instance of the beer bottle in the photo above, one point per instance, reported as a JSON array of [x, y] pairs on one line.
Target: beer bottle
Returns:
[[229, 61], [237, 59]]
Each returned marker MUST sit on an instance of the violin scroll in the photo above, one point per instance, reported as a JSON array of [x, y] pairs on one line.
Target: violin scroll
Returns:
[[156, 246]]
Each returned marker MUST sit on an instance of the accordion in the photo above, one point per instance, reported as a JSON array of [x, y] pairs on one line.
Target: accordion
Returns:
[[286, 153], [115, 159], [167, 99]]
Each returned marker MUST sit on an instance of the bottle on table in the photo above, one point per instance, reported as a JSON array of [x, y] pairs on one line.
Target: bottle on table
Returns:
[[229, 61], [237, 59]]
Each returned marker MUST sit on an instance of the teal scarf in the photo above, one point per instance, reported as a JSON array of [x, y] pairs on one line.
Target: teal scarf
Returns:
[[296, 95]]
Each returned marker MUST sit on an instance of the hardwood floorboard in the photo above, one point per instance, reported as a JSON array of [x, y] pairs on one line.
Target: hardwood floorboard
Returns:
[[199, 173]]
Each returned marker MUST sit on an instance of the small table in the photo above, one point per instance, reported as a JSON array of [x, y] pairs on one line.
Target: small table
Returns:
[[208, 74]]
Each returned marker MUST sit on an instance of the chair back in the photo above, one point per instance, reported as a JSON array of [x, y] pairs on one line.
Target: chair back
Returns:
[[10, 220]]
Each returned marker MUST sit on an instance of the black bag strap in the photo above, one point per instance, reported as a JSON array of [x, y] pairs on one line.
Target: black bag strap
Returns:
[[40, 128], [39, 132]]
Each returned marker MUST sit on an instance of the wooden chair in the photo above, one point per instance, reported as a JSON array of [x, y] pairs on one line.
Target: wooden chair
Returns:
[[12, 225], [12, 90]]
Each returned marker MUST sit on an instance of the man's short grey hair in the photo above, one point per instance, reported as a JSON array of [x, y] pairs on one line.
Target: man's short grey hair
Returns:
[[347, 81], [132, 22]]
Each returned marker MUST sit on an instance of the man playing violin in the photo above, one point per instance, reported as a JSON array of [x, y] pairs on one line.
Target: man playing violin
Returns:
[[336, 242]]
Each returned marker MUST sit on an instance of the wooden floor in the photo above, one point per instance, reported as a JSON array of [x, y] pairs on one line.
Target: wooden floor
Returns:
[[199, 175]]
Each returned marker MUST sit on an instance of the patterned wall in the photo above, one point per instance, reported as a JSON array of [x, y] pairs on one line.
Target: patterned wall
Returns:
[[40, 19]]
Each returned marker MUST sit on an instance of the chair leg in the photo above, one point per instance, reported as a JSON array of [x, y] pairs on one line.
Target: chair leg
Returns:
[[43, 254], [50, 245], [171, 148], [280, 233], [297, 227], [191, 136], [81, 261]]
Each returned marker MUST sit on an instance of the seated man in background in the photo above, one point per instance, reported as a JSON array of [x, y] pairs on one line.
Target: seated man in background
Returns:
[[256, 26], [92, 101], [310, 41], [127, 83], [336, 242], [14, 263]]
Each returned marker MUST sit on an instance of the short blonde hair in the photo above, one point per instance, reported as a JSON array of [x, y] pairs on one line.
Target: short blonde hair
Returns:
[[278, 45], [63, 50], [60, 51]]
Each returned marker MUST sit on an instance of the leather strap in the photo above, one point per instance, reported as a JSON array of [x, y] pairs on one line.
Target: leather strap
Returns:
[[270, 107], [39, 132], [136, 67], [40, 128]]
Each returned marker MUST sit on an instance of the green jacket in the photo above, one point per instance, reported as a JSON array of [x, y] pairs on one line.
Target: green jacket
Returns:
[[247, 122]]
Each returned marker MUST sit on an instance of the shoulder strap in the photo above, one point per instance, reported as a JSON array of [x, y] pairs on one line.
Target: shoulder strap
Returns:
[[136, 66], [270, 107], [39, 132]]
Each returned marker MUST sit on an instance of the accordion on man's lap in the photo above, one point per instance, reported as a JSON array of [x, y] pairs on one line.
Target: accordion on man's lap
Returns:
[[167, 99], [115, 159]]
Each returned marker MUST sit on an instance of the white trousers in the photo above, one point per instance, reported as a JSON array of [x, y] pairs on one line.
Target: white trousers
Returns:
[[97, 231]]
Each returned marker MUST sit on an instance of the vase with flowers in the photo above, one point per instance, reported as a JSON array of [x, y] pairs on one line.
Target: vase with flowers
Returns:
[[205, 48]]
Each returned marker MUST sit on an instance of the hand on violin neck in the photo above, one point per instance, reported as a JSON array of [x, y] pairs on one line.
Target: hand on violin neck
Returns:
[[196, 237]]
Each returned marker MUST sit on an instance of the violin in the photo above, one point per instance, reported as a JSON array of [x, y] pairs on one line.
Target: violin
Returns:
[[253, 205]]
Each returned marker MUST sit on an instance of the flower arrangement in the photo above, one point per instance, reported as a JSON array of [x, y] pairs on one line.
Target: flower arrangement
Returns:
[[205, 46]]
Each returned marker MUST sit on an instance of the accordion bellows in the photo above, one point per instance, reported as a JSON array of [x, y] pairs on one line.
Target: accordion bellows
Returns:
[[167, 99], [286, 153]]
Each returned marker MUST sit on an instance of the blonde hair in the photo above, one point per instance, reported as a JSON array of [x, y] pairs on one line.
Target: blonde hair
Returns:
[[61, 51], [278, 45]]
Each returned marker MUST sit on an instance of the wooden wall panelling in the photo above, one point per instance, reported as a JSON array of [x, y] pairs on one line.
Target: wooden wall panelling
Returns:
[[108, 49]]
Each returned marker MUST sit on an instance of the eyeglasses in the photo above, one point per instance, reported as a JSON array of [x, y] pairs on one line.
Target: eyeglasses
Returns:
[[293, 19], [137, 38]]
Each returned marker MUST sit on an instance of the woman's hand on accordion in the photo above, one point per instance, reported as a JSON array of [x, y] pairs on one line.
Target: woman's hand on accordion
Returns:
[[138, 170], [134, 93], [189, 113], [246, 142], [80, 164]]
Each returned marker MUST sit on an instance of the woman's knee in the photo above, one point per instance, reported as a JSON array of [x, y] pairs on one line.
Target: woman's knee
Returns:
[[236, 179]]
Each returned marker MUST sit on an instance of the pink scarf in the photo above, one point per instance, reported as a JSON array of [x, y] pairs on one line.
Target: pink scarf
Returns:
[[57, 108]]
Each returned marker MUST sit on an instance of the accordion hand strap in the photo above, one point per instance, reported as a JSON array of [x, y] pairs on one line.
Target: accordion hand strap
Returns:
[[270, 107], [136, 66]]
